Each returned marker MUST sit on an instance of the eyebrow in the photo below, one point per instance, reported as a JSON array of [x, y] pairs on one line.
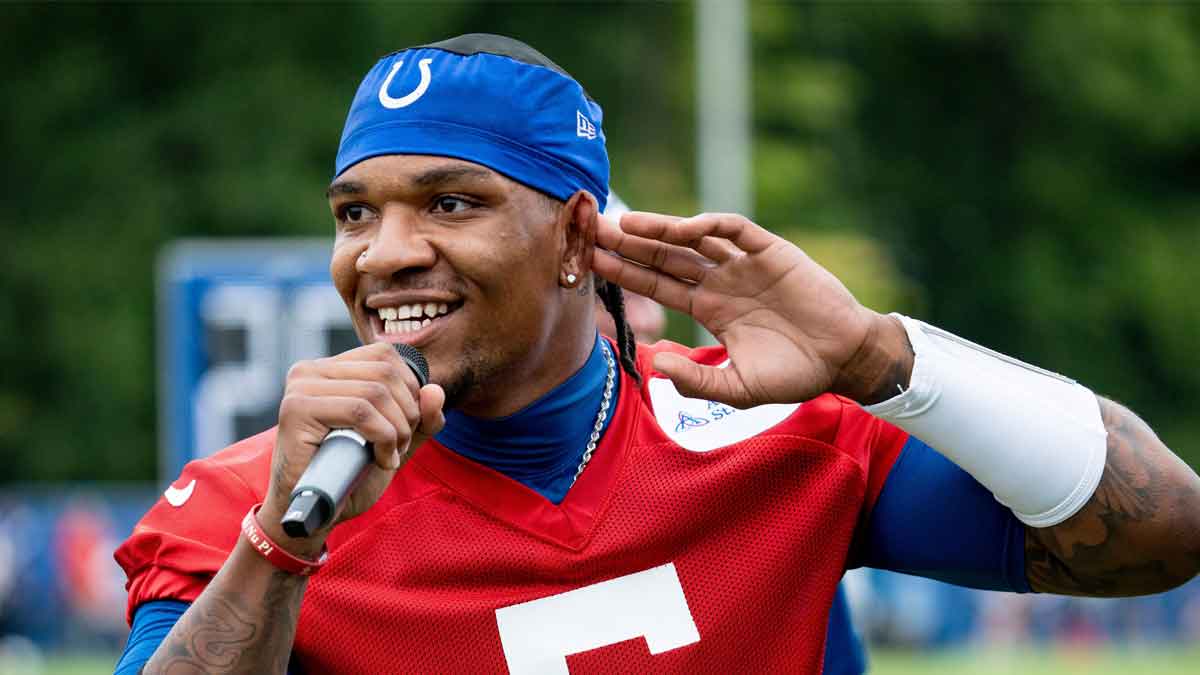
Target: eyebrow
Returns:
[[430, 178], [441, 175], [345, 187]]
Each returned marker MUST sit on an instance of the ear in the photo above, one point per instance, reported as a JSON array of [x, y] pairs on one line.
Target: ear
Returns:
[[578, 222]]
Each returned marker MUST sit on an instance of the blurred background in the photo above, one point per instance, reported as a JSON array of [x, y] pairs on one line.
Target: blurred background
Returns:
[[1023, 175]]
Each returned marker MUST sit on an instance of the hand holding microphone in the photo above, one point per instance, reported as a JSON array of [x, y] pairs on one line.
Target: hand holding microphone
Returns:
[[346, 424], [339, 462]]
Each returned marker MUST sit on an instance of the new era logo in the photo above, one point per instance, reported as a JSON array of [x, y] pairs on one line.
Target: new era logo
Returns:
[[583, 126]]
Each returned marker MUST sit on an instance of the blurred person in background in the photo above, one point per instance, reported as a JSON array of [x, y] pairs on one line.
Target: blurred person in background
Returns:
[[84, 536], [722, 491]]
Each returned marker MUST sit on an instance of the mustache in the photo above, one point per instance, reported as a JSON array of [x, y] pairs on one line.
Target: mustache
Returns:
[[418, 281]]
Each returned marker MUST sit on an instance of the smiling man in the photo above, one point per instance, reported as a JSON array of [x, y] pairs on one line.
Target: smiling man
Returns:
[[554, 502]]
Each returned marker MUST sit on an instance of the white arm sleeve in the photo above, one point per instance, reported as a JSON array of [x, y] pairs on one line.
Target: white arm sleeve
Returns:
[[1035, 439]]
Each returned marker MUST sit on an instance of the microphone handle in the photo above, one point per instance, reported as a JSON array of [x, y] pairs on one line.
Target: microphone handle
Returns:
[[336, 466]]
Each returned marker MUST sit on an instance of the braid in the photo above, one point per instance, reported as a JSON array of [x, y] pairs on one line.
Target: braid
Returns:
[[614, 303]]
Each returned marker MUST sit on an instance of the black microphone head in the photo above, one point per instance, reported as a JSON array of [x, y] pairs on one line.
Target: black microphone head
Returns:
[[416, 361]]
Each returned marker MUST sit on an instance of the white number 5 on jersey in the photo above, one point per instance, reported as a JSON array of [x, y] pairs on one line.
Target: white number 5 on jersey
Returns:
[[538, 635]]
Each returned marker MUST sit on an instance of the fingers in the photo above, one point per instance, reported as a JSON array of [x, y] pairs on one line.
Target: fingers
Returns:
[[655, 285], [402, 415], [705, 382], [716, 236], [663, 256], [398, 378], [346, 412], [376, 352], [373, 376], [738, 230], [376, 362], [633, 242], [432, 398], [678, 261]]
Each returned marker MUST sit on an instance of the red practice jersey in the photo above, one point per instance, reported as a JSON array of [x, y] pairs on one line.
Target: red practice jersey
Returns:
[[700, 539]]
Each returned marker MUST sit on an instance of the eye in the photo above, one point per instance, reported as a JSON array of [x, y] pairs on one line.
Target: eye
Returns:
[[448, 204], [355, 213], [352, 216]]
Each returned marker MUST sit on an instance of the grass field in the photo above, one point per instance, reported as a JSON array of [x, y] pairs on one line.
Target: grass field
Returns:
[[1107, 661], [1103, 661]]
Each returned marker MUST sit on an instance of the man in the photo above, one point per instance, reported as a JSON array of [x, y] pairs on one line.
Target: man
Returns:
[[569, 505]]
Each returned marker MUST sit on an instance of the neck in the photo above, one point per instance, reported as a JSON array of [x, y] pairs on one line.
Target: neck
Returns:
[[532, 373], [540, 445]]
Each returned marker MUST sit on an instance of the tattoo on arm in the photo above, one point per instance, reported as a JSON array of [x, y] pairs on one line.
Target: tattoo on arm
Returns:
[[1138, 534], [219, 632], [227, 631]]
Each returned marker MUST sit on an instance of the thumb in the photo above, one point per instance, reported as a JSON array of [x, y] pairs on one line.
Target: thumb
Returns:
[[430, 401], [696, 381]]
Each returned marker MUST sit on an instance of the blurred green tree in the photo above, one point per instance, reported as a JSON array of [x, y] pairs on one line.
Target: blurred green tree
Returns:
[[1032, 171]]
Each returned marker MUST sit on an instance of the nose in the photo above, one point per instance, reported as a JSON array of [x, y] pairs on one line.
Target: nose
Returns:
[[399, 245]]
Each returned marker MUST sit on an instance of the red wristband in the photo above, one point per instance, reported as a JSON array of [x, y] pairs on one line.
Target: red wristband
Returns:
[[272, 552]]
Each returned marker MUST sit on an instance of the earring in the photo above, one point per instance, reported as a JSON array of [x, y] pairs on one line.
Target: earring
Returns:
[[571, 278]]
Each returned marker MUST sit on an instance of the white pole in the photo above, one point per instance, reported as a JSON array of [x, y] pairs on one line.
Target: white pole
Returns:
[[723, 123]]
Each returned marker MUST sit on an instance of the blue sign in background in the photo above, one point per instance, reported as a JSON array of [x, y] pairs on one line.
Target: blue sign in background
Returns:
[[233, 316]]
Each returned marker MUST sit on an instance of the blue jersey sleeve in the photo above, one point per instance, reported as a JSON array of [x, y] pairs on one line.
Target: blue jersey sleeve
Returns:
[[844, 653], [151, 624], [932, 519]]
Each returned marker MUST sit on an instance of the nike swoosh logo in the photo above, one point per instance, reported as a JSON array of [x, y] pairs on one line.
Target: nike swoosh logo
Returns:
[[178, 496]]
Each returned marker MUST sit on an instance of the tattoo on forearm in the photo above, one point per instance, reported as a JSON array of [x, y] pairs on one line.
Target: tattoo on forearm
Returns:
[[1125, 541], [219, 633], [224, 632]]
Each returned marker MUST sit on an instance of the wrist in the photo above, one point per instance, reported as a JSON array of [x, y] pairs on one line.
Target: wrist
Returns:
[[272, 552], [881, 367], [308, 548]]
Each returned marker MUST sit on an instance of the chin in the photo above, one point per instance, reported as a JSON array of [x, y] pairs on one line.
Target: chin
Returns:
[[458, 390]]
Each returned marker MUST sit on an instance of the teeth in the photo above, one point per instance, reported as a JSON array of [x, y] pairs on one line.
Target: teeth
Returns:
[[396, 319], [403, 326]]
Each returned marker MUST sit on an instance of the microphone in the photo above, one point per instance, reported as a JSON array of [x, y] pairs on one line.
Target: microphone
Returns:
[[336, 466]]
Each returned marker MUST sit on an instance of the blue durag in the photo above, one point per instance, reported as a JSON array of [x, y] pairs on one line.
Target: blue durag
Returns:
[[485, 99]]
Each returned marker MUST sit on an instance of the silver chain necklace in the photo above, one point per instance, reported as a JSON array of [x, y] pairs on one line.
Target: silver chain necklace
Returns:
[[603, 414]]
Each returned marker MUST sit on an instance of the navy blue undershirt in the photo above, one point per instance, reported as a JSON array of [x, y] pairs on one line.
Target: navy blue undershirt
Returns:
[[540, 445]]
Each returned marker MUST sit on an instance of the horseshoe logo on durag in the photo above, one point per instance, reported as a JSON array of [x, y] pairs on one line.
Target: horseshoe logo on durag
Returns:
[[411, 97]]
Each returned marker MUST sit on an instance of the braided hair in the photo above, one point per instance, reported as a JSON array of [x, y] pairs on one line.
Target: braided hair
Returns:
[[614, 303]]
